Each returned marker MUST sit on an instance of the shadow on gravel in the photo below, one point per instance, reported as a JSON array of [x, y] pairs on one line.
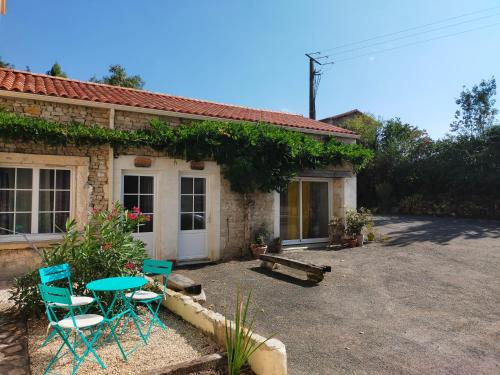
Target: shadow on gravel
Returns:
[[404, 231], [284, 277]]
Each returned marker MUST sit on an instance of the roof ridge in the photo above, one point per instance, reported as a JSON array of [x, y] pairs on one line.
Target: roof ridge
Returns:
[[149, 92]]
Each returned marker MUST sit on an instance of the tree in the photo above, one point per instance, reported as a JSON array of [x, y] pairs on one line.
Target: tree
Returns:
[[477, 110], [56, 71], [367, 126], [119, 77], [4, 64]]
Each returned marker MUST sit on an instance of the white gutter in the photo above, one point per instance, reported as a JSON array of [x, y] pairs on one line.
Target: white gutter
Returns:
[[127, 108]]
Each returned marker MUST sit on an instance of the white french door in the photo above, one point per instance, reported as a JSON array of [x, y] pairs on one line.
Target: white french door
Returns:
[[193, 218], [139, 191], [305, 210]]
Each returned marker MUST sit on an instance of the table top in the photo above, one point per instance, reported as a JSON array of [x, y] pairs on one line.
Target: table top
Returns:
[[117, 283]]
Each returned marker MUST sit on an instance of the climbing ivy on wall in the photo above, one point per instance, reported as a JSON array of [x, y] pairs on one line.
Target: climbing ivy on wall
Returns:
[[253, 157]]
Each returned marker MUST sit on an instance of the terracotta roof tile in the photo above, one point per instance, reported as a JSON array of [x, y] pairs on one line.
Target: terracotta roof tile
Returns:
[[27, 82]]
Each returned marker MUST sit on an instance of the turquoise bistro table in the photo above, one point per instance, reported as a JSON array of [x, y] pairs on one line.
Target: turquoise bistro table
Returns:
[[118, 286]]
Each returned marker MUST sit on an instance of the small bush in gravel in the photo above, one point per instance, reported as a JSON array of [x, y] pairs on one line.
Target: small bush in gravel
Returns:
[[105, 248]]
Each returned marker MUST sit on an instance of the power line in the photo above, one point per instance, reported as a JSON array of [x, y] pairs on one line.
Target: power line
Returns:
[[413, 35], [405, 30], [418, 42]]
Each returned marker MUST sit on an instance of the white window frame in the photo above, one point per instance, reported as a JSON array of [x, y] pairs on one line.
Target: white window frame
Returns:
[[35, 191], [154, 195], [193, 212]]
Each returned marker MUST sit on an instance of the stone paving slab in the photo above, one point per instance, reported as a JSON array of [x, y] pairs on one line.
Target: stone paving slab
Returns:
[[14, 359]]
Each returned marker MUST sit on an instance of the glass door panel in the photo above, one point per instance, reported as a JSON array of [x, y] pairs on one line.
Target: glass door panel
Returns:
[[314, 209], [289, 212]]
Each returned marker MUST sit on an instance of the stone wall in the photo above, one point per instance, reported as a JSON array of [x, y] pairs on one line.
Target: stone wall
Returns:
[[125, 120], [59, 112], [232, 218]]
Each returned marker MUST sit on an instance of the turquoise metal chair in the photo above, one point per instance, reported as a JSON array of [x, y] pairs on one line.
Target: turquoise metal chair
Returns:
[[52, 274], [72, 324], [149, 298], [60, 272]]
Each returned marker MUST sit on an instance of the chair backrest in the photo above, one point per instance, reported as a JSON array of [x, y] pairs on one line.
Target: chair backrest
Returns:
[[158, 267], [55, 273], [52, 295]]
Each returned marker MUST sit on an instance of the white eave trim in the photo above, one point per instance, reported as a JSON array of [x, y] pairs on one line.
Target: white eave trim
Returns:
[[120, 107]]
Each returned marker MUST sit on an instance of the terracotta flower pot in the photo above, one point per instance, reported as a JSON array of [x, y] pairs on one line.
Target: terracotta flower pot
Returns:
[[360, 238], [352, 242], [258, 250]]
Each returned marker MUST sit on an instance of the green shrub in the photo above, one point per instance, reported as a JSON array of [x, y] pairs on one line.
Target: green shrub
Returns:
[[356, 221], [105, 248]]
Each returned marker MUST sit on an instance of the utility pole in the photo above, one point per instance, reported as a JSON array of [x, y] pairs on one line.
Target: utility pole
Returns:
[[314, 78]]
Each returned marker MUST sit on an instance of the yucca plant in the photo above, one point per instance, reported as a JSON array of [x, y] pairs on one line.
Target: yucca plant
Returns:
[[239, 344]]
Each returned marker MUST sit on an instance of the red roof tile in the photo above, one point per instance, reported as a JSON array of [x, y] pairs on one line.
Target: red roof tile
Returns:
[[27, 82]]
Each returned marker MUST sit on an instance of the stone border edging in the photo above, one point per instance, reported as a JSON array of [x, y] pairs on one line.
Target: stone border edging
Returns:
[[207, 362], [269, 359]]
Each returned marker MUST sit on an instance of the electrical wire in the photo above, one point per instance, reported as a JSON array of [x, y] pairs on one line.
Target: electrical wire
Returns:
[[406, 30], [418, 42], [413, 35]]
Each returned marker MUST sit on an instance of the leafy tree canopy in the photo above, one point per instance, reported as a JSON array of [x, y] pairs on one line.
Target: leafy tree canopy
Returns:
[[119, 77], [366, 125], [4, 64], [56, 71], [398, 140], [477, 109]]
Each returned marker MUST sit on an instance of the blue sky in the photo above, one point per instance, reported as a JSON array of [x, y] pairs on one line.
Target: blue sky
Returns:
[[251, 52]]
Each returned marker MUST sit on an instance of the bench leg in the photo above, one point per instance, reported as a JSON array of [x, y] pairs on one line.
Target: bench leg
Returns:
[[314, 277], [269, 265]]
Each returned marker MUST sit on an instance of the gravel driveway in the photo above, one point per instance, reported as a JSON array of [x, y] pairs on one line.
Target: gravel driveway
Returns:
[[427, 301]]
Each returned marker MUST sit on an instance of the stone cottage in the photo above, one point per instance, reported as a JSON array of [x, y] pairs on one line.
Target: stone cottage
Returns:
[[195, 215]]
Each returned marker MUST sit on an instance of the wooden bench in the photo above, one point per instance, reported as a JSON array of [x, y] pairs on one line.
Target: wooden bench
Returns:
[[314, 273], [181, 283]]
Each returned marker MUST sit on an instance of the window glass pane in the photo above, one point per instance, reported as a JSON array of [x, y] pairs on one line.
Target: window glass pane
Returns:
[[199, 221], [199, 203], [289, 212], [186, 185], [23, 200], [130, 184], [146, 185], [186, 221], [46, 201], [147, 226], [6, 200], [130, 201], [314, 209], [60, 221], [62, 200], [45, 223], [199, 186], [7, 178], [46, 179], [6, 223], [23, 223], [186, 203], [24, 178], [146, 203], [62, 179]]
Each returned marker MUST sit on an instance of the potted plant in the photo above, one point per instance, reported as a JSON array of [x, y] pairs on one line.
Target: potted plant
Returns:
[[336, 230], [370, 232], [355, 222], [259, 246], [277, 245]]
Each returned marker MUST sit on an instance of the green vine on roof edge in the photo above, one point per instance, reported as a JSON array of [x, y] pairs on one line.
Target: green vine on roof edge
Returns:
[[253, 157]]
